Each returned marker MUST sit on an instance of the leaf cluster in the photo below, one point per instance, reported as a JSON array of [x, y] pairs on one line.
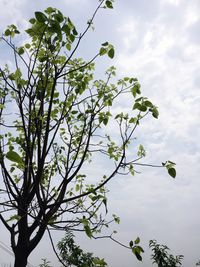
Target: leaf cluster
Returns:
[[136, 248], [162, 257], [72, 255], [56, 118]]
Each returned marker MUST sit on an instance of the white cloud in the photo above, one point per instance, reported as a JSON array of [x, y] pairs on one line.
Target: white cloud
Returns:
[[11, 13], [166, 59], [173, 2]]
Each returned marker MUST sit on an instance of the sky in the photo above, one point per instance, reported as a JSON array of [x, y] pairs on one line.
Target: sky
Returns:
[[158, 42]]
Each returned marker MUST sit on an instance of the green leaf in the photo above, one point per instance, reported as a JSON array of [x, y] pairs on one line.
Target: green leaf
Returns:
[[137, 240], [27, 46], [140, 249], [109, 4], [105, 121], [172, 172], [41, 17], [155, 113], [138, 256], [13, 156], [55, 26], [102, 51], [141, 151], [77, 187], [133, 120], [74, 112], [131, 169], [131, 243], [137, 250], [12, 169], [7, 32], [49, 10], [116, 219], [21, 51], [148, 103], [137, 106], [66, 29], [59, 17], [32, 21], [14, 217], [17, 32], [139, 99], [136, 89], [105, 44], [17, 74], [88, 231], [111, 53], [75, 31], [105, 203], [68, 46], [143, 108], [72, 38]]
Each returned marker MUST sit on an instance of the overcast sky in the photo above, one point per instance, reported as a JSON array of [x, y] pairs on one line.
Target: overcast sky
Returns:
[[158, 42]]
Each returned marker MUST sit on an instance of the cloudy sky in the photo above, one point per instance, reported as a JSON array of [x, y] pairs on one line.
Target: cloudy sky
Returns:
[[158, 42]]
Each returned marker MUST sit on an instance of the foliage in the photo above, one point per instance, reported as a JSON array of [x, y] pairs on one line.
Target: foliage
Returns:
[[56, 119], [161, 256], [198, 263], [73, 255], [44, 263], [136, 248]]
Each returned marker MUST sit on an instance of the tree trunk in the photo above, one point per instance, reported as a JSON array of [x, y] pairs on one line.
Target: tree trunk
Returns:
[[21, 248], [21, 259]]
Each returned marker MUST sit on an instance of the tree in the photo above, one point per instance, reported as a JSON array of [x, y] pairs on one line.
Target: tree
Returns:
[[198, 263], [55, 118], [45, 263], [162, 257], [73, 255]]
